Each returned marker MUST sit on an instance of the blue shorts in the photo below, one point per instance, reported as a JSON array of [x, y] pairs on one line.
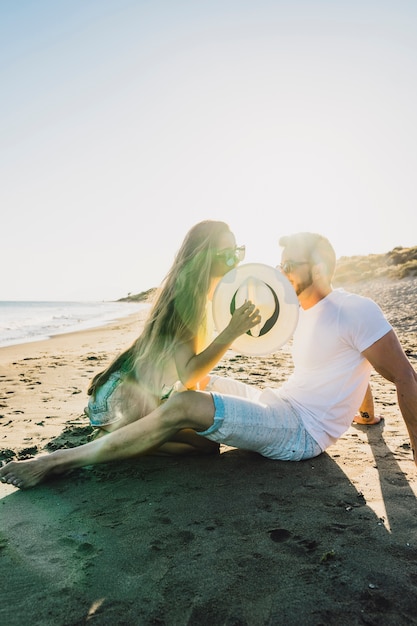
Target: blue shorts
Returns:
[[276, 431], [98, 410]]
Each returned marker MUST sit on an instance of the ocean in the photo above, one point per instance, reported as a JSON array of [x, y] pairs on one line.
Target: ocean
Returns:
[[22, 322]]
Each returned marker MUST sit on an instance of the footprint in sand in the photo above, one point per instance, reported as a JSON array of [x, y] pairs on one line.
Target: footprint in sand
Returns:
[[281, 535]]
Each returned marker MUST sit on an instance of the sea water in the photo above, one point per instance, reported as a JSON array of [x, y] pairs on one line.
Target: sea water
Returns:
[[22, 322]]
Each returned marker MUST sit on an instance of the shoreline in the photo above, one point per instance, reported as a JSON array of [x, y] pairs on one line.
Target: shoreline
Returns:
[[32, 322], [74, 336]]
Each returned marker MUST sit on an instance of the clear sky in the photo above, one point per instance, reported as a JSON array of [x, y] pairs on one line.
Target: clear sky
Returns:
[[125, 122]]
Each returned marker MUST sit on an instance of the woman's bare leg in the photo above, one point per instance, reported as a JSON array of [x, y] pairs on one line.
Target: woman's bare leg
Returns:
[[185, 410], [186, 442]]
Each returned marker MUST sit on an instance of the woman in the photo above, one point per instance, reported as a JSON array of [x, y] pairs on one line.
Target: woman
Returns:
[[174, 352]]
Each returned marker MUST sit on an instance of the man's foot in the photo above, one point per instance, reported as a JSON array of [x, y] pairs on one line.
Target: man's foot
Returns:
[[25, 474], [364, 418]]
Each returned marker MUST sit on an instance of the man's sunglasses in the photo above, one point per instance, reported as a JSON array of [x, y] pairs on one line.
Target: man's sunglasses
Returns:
[[289, 266]]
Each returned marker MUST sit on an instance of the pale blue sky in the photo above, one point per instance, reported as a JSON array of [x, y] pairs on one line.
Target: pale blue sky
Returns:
[[123, 123]]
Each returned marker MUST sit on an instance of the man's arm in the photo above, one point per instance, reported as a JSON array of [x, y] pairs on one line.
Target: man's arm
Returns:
[[389, 359]]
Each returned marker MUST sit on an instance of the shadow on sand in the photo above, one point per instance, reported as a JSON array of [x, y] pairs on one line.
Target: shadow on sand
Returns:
[[233, 539]]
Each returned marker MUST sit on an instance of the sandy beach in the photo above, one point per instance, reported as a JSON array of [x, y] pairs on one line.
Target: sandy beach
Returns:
[[232, 539]]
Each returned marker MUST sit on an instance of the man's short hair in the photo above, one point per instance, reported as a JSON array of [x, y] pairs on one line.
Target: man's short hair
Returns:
[[316, 249]]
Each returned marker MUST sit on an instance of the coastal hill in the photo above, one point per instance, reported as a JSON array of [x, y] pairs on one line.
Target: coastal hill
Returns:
[[396, 264]]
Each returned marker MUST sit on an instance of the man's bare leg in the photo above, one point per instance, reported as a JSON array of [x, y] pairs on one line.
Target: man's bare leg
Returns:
[[130, 402], [185, 410]]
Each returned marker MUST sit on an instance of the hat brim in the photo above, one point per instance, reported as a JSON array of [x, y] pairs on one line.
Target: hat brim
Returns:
[[280, 326]]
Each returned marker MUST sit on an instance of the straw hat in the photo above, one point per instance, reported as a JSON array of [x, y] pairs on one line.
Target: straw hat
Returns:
[[273, 295]]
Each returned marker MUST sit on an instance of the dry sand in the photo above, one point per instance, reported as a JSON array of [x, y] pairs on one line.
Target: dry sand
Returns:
[[231, 540]]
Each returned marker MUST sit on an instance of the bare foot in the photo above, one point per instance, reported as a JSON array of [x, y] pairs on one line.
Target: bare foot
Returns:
[[25, 474], [364, 418]]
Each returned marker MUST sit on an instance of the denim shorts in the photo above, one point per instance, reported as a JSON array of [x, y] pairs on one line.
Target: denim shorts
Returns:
[[97, 409], [276, 431]]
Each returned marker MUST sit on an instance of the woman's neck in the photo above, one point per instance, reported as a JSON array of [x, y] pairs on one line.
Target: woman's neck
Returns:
[[213, 284]]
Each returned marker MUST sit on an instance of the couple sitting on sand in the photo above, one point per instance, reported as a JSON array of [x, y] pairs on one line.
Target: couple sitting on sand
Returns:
[[338, 339]]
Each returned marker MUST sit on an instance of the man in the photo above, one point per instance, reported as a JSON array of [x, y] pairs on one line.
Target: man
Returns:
[[339, 338]]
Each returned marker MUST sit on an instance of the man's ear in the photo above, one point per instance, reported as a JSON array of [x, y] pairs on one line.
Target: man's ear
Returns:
[[319, 270]]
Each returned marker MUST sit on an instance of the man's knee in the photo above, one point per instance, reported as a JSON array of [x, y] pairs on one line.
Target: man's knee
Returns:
[[184, 408], [177, 408]]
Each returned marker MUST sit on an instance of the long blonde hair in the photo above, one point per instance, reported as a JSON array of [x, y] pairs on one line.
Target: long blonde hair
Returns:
[[178, 313]]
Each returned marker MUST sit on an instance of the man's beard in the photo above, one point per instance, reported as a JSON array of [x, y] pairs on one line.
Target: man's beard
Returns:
[[302, 286]]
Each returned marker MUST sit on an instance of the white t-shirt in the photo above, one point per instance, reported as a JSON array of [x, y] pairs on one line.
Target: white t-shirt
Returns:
[[330, 374]]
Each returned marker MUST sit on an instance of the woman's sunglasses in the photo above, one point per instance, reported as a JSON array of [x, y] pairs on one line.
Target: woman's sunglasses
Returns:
[[231, 256]]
